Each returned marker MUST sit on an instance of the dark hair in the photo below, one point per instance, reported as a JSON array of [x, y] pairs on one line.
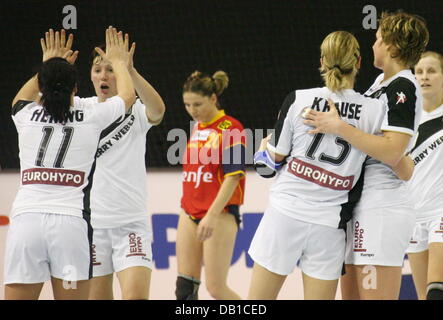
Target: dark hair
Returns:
[[57, 79], [206, 85], [406, 33]]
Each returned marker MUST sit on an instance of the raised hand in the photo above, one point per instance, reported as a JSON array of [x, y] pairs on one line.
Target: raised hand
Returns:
[[116, 47], [56, 45], [131, 52]]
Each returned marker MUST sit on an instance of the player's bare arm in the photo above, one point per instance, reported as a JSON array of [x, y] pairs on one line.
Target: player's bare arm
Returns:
[[155, 107], [388, 148], [405, 168]]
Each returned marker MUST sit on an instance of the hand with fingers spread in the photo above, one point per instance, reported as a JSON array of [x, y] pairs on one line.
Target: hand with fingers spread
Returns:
[[323, 122], [55, 45], [116, 47]]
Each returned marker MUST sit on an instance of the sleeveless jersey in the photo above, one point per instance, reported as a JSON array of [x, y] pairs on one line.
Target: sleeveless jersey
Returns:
[[57, 161], [401, 94], [320, 181], [214, 151], [119, 192]]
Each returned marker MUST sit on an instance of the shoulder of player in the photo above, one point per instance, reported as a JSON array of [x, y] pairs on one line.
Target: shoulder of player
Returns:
[[303, 95], [21, 104], [310, 91], [371, 102], [230, 122], [402, 84]]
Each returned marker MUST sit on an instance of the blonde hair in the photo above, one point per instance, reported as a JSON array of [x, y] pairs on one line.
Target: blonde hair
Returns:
[[206, 85], [435, 55], [340, 53], [406, 33]]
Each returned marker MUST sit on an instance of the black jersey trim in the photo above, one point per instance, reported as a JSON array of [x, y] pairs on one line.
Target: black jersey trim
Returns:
[[401, 114], [114, 125], [87, 212], [289, 100], [428, 129], [376, 94], [347, 209], [19, 105]]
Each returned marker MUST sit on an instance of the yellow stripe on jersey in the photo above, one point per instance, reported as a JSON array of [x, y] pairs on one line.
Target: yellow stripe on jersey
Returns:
[[237, 143], [235, 173], [220, 114]]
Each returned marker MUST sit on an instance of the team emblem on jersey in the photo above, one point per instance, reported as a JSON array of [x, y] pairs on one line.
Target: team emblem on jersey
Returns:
[[401, 98], [201, 135], [224, 125]]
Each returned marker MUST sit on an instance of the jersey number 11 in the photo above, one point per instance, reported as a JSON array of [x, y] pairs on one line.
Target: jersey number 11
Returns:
[[63, 149]]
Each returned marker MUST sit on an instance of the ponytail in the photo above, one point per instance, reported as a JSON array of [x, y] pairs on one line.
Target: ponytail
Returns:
[[57, 80]]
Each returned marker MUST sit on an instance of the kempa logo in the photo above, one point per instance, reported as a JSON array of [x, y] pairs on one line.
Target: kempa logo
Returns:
[[197, 177]]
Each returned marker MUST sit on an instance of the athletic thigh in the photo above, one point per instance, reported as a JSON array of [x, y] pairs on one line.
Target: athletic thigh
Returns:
[[419, 267], [435, 266], [218, 249], [189, 249], [135, 283], [76, 290], [101, 287]]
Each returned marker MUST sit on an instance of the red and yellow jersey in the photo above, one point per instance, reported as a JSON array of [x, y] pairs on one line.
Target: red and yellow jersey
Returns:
[[215, 150]]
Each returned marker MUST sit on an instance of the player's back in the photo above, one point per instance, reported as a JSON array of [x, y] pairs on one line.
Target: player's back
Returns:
[[57, 159], [321, 169]]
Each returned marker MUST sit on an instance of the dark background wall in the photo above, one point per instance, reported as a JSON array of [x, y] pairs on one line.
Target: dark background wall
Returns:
[[268, 48]]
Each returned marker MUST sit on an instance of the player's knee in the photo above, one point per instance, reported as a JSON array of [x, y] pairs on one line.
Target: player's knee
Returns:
[[215, 290], [435, 291], [186, 288], [135, 295]]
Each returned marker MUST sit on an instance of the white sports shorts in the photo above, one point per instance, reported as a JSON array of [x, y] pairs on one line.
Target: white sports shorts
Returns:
[[116, 249], [281, 243], [425, 233], [379, 236], [42, 245]]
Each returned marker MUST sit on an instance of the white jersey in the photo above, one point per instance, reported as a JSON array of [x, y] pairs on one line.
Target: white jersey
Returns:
[[57, 160], [426, 184], [119, 192], [401, 94], [320, 181]]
